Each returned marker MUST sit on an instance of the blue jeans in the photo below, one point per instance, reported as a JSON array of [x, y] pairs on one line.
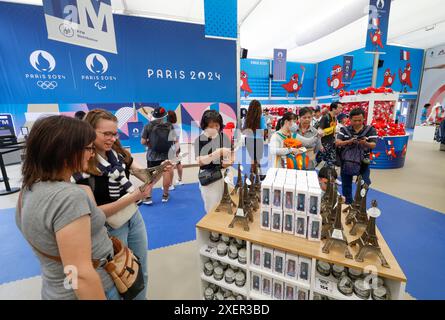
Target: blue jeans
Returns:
[[346, 181], [113, 294], [134, 235]]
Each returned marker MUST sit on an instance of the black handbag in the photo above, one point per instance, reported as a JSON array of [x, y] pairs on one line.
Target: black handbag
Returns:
[[208, 176]]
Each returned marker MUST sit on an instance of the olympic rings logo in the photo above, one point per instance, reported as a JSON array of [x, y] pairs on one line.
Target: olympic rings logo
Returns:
[[45, 85]]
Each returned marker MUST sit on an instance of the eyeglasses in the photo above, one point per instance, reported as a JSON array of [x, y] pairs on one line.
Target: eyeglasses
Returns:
[[110, 135], [90, 149]]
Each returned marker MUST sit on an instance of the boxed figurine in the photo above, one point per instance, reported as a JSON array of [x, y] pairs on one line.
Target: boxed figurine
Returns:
[[300, 225], [291, 270], [265, 218], [312, 180], [257, 255], [288, 222], [256, 283], [314, 201], [277, 220], [314, 230], [266, 189], [301, 195], [304, 269], [289, 292], [302, 294], [289, 196], [267, 259], [278, 289], [277, 194], [279, 259], [266, 288]]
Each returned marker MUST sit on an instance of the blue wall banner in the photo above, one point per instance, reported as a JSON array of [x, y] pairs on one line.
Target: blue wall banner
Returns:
[[160, 61], [135, 130], [87, 23], [221, 19], [279, 64], [377, 31], [348, 65]]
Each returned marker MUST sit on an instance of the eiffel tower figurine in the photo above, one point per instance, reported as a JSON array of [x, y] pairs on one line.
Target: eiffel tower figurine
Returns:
[[336, 234], [258, 186], [329, 213], [226, 203], [360, 218], [368, 242], [239, 182], [248, 202], [327, 200], [355, 206], [252, 193], [242, 212]]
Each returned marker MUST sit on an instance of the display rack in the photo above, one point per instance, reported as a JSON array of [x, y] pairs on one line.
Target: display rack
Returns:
[[371, 99], [394, 278]]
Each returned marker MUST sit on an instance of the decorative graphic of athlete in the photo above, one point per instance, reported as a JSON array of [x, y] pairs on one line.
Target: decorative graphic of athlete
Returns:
[[336, 79], [391, 152], [405, 77], [293, 86], [244, 83], [388, 78]]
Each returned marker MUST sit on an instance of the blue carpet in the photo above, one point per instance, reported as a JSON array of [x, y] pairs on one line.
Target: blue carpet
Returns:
[[17, 261], [173, 222], [414, 234]]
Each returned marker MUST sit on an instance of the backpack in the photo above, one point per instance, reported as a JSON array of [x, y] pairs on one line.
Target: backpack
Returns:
[[159, 137], [353, 155]]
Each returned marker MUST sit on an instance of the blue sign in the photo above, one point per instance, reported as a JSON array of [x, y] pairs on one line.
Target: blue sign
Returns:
[[221, 18], [377, 31], [135, 130], [279, 64], [6, 120], [348, 65], [158, 60]]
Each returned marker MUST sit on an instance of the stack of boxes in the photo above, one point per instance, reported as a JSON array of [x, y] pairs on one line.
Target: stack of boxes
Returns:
[[290, 203]]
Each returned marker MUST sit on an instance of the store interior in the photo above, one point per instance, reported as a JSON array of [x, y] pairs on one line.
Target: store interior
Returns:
[[165, 58]]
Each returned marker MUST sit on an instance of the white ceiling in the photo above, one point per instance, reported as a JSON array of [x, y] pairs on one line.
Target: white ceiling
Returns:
[[312, 31]]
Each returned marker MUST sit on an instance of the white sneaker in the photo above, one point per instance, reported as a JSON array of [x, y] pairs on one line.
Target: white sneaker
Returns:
[[172, 187], [179, 183], [147, 201]]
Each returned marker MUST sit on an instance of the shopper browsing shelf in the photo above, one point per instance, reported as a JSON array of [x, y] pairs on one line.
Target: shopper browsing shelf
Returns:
[[317, 118], [213, 153], [309, 136], [171, 117], [355, 141], [254, 131], [159, 136], [57, 217], [286, 128], [268, 118], [327, 133], [108, 176]]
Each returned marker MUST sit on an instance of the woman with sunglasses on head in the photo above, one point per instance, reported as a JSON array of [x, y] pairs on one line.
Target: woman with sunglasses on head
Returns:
[[108, 176], [59, 220]]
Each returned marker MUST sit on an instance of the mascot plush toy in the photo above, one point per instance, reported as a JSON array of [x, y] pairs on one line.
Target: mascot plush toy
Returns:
[[300, 161]]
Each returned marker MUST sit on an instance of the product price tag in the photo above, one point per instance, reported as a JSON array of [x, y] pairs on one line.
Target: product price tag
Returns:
[[323, 285]]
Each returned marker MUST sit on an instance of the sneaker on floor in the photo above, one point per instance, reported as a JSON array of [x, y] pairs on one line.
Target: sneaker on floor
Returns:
[[179, 182], [165, 198], [172, 187], [147, 201]]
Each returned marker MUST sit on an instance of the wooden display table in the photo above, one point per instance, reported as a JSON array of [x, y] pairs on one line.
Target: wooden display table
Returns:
[[218, 222]]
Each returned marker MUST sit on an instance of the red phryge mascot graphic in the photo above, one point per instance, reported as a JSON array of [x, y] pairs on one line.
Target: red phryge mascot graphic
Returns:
[[376, 38], [388, 79], [245, 84], [293, 86], [405, 77], [391, 151], [336, 79], [405, 147]]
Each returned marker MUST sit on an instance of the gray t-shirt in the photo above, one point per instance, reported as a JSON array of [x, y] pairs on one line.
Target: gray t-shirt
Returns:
[[46, 209]]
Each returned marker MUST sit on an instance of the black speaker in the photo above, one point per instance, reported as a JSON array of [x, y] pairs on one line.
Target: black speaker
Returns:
[[381, 62], [243, 53]]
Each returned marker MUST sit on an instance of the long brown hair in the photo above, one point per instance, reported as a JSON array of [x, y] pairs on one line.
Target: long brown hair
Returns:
[[54, 146], [253, 117], [93, 117]]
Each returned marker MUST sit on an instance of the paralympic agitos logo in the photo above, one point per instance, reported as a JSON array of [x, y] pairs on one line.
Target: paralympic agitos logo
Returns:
[[44, 63]]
